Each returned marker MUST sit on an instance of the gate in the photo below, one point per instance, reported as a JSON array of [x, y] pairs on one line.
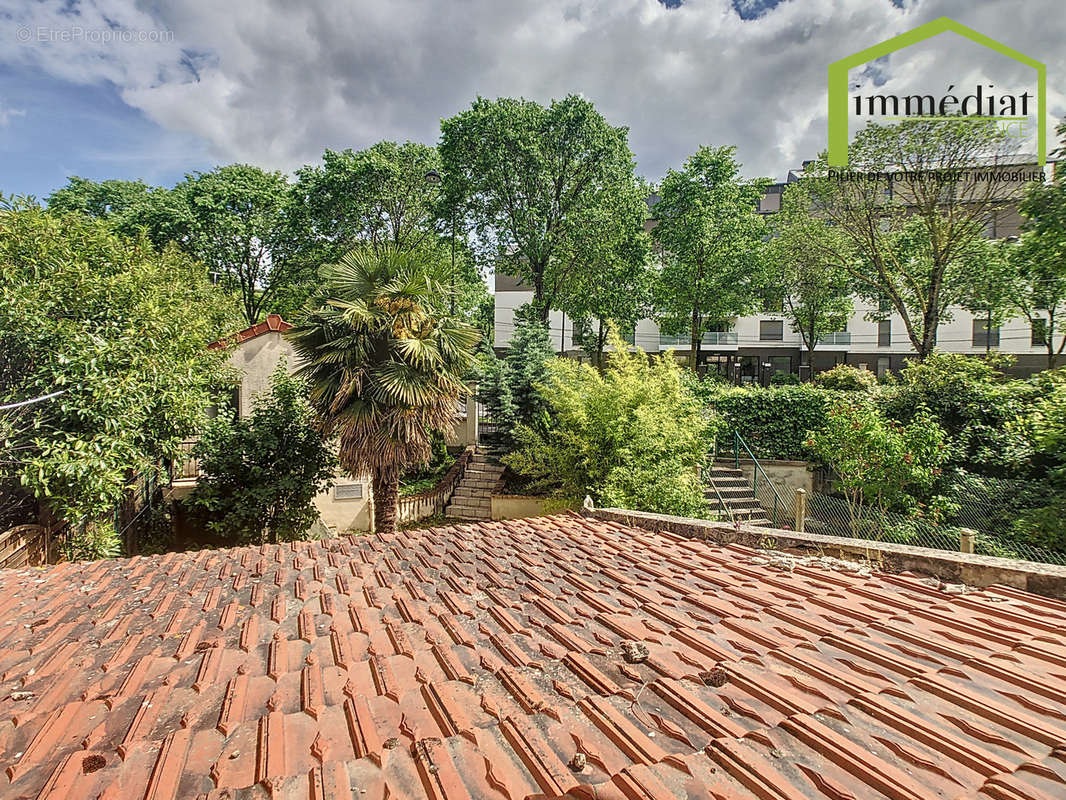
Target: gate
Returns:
[[487, 429]]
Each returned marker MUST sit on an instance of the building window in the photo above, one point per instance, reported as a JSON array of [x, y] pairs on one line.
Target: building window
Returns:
[[1038, 334], [983, 336], [771, 330], [884, 364], [884, 333]]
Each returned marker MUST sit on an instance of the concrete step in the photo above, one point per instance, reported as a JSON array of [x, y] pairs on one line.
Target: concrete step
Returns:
[[467, 500], [734, 491], [733, 502], [483, 469], [719, 469], [471, 491], [488, 481], [730, 480], [485, 458]]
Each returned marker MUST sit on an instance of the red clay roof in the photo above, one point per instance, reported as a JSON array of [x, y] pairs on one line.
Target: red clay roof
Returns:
[[273, 322], [485, 661]]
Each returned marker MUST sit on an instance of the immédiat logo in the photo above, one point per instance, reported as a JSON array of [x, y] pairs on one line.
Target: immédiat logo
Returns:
[[982, 102]]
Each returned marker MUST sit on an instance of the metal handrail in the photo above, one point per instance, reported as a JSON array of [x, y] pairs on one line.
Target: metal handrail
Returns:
[[721, 500], [738, 442]]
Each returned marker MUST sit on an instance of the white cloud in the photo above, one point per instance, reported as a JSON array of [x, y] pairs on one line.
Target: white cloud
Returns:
[[276, 83], [7, 114]]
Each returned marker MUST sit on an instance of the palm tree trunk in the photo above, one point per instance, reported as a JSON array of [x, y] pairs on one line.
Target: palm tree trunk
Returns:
[[386, 487]]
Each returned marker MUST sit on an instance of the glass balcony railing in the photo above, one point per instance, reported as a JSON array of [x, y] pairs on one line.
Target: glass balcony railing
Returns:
[[838, 338], [710, 339]]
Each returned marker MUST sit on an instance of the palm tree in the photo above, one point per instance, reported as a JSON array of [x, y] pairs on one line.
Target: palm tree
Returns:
[[385, 364]]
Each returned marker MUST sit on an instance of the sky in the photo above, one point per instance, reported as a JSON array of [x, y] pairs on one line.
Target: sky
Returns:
[[154, 90]]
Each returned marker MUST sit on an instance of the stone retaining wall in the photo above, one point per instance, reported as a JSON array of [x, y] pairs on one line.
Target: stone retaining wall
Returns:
[[974, 570]]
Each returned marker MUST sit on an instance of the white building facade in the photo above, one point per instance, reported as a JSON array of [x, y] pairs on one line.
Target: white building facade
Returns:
[[758, 346]]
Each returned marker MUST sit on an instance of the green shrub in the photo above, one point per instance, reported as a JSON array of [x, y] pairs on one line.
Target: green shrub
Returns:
[[846, 378], [784, 379], [1045, 525], [878, 462], [774, 422], [509, 387], [975, 404], [428, 475], [120, 329], [631, 437], [261, 473], [90, 541]]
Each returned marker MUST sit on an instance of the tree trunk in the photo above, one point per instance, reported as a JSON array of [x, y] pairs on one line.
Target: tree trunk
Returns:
[[811, 343], [538, 295], [600, 341], [386, 488], [694, 340], [1053, 353]]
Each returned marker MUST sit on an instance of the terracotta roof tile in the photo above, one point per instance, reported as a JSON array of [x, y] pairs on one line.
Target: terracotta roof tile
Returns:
[[495, 661], [273, 322]]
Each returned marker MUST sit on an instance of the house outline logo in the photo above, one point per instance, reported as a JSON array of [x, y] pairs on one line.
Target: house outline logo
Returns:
[[838, 80]]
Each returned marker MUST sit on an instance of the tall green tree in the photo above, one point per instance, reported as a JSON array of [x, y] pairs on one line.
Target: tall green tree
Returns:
[[991, 284], [616, 291], [236, 224], [546, 188], [260, 473], [388, 195], [119, 329], [380, 197], [237, 220], [816, 292], [98, 199], [385, 363], [905, 239], [710, 238], [1039, 260], [512, 388], [133, 208]]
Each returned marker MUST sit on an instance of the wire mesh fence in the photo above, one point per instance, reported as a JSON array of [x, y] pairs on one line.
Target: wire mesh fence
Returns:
[[834, 516]]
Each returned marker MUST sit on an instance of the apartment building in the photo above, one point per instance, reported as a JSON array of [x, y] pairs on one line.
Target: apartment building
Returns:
[[757, 346]]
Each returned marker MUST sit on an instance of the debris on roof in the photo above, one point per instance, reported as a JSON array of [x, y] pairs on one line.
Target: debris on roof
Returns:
[[546, 657]]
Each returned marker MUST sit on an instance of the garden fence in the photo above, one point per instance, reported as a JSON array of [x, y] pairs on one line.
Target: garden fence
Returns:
[[833, 516]]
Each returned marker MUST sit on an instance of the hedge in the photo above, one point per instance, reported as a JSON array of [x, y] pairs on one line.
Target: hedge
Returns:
[[773, 421]]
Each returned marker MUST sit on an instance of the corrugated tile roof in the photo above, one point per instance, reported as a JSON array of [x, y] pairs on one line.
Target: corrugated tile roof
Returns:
[[490, 661]]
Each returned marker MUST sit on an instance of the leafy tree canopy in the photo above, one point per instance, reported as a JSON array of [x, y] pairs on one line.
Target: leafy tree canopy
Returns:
[[120, 329], [547, 189], [710, 238], [236, 221], [906, 242]]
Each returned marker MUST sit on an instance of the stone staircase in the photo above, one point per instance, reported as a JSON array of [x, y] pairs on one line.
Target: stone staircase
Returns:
[[472, 496], [737, 493]]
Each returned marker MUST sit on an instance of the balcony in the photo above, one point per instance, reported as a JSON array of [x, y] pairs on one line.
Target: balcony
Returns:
[[710, 339], [838, 339]]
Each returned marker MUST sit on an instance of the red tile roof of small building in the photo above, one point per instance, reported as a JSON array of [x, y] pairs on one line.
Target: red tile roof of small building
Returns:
[[487, 661], [273, 322]]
